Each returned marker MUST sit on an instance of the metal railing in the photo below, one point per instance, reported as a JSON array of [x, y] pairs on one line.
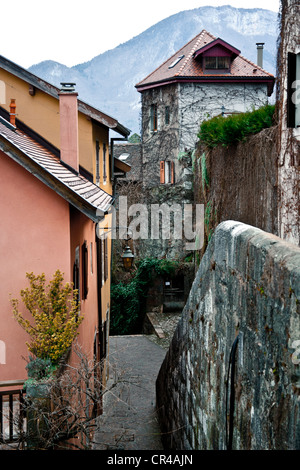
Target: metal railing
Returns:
[[11, 410]]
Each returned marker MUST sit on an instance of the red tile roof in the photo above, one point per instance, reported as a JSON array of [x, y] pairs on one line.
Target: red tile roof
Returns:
[[189, 68], [79, 191]]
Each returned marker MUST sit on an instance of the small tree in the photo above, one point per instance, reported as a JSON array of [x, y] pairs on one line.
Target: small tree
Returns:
[[55, 312]]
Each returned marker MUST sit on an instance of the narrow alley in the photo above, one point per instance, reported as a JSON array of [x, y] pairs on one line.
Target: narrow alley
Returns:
[[129, 420]]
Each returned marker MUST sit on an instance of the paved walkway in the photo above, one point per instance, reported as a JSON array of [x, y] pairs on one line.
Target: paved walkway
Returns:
[[129, 421]]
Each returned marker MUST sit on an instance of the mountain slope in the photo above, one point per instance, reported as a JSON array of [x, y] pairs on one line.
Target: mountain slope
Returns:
[[108, 80]]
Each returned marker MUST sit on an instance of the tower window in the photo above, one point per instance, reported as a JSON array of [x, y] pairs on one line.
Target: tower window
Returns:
[[153, 118]]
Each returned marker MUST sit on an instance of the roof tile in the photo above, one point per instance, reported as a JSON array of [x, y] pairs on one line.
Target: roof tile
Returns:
[[50, 163], [189, 67]]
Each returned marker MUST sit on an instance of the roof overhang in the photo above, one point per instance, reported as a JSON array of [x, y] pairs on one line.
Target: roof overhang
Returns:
[[92, 212], [120, 165], [269, 81], [53, 91], [218, 43]]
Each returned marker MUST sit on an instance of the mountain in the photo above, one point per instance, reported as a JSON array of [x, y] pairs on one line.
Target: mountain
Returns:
[[108, 80]]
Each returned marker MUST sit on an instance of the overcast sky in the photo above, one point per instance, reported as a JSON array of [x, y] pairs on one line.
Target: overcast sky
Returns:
[[75, 31]]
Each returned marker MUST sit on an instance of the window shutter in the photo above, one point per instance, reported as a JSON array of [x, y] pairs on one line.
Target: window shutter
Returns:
[[162, 172], [105, 246], [172, 173], [291, 109], [84, 270]]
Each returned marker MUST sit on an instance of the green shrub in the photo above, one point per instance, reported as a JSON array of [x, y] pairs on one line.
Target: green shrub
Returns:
[[128, 300], [54, 313], [235, 128]]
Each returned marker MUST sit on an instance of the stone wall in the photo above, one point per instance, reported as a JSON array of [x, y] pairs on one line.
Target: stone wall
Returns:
[[132, 155], [198, 102], [246, 294], [239, 182]]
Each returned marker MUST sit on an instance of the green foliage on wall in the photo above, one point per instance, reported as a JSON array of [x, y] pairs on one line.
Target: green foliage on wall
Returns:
[[235, 128], [204, 173], [128, 300]]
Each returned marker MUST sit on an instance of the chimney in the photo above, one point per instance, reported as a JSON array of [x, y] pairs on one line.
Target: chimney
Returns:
[[68, 111], [12, 112], [260, 48]]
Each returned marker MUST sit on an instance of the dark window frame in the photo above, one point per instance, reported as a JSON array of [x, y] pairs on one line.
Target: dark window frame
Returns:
[[218, 60], [291, 77], [85, 269], [153, 118]]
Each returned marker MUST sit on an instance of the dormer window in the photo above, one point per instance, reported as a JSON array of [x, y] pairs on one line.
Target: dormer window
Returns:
[[216, 63], [216, 57]]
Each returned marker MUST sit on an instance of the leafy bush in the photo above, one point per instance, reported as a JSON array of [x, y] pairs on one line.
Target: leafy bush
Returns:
[[128, 300], [39, 369], [235, 128], [55, 313]]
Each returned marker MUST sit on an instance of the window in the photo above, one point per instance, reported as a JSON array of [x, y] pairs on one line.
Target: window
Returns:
[[153, 118], [167, 175], [176, 61], [91, 257], [217, 63], [2, 92], [97, 162], [84, 252], [76, 277], [104, 164], [293, 98], [167, 115], [105, 256]]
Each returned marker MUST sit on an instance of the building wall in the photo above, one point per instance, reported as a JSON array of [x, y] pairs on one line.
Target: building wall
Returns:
[[247, 287], [161, 144], [198, 102], [40, 112], [189, 104], [35, 238], [239, 182]]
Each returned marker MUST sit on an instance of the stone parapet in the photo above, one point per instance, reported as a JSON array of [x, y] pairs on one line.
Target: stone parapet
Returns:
[[231, 378]]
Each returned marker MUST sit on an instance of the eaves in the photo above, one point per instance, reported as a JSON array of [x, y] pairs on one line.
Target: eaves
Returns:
[[209, 79], [53, 91], [59, 187]]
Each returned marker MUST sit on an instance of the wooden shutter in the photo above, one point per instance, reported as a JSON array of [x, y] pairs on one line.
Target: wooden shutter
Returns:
[[105, 249], [162, 172], [291, 108], [104, 163], [153, 118], [84, 270], [172, 173], [97, 162]]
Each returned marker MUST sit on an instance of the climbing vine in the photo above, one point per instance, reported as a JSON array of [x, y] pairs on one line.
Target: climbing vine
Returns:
[[128, 299]]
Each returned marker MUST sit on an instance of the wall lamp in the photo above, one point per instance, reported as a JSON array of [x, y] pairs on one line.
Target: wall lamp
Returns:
[[127, 255]]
